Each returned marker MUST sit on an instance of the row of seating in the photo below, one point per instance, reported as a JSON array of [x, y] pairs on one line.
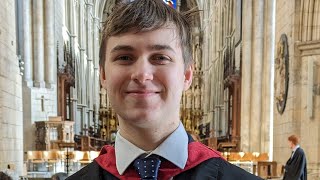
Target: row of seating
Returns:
[[55, 156], [245, 156]]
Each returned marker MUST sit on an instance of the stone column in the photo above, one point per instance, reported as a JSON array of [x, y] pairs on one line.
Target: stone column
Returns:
[[83, 71], [90, 53], [256, 75], [27, 42], [96, 97], [49, 44], [246, 75], [90, 60], [38, 49], [73, 20], [63, 11], [269, 35], [81, 52], [81, 21]]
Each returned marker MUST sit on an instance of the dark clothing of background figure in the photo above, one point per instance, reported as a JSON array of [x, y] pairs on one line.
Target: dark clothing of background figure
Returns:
[[296, 167], [214, 168]]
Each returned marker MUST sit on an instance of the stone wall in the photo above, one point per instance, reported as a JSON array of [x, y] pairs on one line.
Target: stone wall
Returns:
[[302, 113], [39, 104], [38, 50], [285, 124], [257, 58], [256, 36], [11, 136]]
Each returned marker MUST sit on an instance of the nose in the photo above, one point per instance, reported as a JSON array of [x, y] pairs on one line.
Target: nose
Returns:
[[142, 71]]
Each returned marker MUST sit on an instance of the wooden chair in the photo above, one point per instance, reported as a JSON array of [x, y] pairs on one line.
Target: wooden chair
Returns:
[[248, 157], [35, 157], [234, 157], [51, 158], [263, 157]]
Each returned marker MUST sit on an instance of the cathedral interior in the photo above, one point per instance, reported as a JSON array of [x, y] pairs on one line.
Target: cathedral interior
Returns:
[[256, 82]]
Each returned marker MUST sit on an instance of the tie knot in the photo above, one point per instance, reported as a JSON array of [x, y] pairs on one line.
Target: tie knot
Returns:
[[148, 167]]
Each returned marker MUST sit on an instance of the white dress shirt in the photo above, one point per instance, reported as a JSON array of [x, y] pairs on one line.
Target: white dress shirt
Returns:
[[174, 149]]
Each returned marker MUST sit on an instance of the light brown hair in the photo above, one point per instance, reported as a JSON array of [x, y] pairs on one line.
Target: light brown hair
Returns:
[[147, 15], [294, 139]]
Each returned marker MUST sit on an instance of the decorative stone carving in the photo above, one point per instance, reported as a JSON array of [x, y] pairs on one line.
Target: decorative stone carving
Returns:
[[188, 123], [197, 98], [281, 74], [112, 124], [188, 99], [49, 134], [198, 56]]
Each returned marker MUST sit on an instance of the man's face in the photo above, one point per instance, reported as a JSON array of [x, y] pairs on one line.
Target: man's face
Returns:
[[291, 145], [144, 77]]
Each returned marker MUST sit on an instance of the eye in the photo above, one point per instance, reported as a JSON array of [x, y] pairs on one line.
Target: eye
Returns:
[[161, 59], [123, 59]]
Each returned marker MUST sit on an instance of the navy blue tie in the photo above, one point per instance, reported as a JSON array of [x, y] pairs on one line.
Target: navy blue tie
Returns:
[[148, 167]]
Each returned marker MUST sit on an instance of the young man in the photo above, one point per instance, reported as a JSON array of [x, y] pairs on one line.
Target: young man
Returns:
[[296, 166], [145, 62]]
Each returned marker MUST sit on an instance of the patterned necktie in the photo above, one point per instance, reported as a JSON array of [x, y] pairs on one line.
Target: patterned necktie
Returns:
[[148, 167]]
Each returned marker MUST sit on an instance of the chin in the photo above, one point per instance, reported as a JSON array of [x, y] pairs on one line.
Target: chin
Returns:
[[140, 117]]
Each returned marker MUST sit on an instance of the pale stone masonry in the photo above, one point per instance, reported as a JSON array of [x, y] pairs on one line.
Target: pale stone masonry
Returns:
[[39, 85], [256, 61], [45, 27], [11, 121], [299, 20]]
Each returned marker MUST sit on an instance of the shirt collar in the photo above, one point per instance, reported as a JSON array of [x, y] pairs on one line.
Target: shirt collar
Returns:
[[295, 148], [174, 149]]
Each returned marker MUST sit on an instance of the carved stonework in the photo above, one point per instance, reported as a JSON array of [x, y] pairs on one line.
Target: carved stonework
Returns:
[[108, 124], [281, 74], [191, 110], [50, 134], [66, 80]]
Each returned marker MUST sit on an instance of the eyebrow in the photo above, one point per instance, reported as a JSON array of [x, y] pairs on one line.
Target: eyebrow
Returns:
[[151, 47], [160, 47], [122, 48]]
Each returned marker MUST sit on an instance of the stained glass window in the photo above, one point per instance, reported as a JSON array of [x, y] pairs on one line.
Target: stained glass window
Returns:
[[172, 3]]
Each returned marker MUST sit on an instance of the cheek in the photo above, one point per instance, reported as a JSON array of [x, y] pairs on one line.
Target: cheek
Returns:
[[174, 82], [114, 81]]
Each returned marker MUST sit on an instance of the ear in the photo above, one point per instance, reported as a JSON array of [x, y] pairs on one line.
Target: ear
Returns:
[[103, 80], [188, 74]]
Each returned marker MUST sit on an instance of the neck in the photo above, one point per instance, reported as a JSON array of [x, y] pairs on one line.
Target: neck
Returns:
[[295, 146], [147, 138]]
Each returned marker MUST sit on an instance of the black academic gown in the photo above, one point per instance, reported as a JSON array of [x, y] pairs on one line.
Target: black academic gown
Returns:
[[203, 163], [296, 167]]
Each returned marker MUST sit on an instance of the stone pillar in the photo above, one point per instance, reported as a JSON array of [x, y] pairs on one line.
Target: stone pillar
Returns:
[[73, 20], [63, 11], [49, 44], [267, 97], [11, 106], [96, 90], [89, 29], [83, 62], [256, 75], [246, 77], [81, 21], [83, 56], [38, 49], [27, 42], [90, 61]]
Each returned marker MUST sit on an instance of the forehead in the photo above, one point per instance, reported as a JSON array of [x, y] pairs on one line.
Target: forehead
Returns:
[[163, 36]]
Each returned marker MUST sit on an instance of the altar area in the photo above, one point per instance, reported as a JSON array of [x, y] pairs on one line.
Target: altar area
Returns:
[[255, 163], [43, 164]]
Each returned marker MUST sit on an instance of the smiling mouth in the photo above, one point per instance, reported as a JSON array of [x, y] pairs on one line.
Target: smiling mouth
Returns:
[[142, 93]]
